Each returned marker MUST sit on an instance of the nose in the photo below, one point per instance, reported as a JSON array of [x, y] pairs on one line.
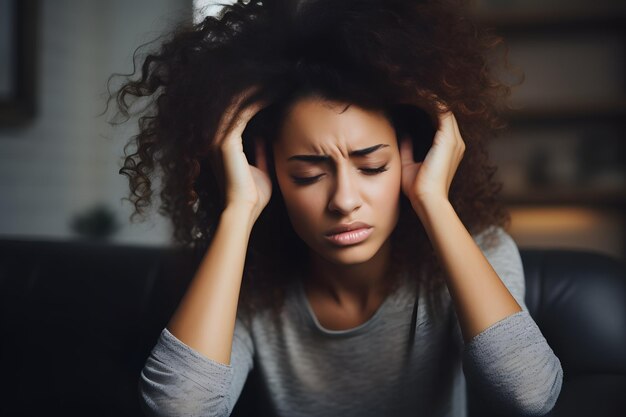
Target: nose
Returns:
[[345, 197]]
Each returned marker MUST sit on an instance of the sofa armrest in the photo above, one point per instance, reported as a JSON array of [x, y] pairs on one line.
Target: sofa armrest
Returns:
[[592, 395]]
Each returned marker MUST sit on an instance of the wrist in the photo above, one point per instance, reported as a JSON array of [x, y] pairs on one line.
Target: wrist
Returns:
[[425, 202], [429, 204], [241, 213]]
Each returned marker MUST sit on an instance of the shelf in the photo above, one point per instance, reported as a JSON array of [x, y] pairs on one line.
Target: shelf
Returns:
[[558, 196], [588, 228], [561, 158], [576, 113], [549, 21]]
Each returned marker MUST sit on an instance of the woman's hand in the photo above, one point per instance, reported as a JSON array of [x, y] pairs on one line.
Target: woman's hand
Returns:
[[245, 185], [431, 179]]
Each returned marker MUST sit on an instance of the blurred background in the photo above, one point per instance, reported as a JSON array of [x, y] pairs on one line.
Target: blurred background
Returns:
[[562, 159]]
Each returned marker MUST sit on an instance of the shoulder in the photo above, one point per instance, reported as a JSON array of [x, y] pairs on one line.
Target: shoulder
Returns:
[[492, 238]]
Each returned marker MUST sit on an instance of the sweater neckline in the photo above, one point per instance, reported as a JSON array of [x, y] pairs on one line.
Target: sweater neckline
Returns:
[[305, 307]]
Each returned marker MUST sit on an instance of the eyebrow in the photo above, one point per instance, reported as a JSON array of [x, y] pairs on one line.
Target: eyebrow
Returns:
[[323, 158]]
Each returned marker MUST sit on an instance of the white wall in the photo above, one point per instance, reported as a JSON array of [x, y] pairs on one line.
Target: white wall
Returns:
[[68, 158]]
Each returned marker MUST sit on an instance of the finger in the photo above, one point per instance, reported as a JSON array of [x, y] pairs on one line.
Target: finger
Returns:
[[235, 133], [443, 108], [406, 150], [241, 97], [239, 123], [229, 119], [242, 121], [458, 131], [446, 122], [458, 140], [261, 160]]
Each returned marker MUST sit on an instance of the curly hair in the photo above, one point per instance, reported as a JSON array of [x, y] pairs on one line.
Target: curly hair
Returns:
[[403, 57]]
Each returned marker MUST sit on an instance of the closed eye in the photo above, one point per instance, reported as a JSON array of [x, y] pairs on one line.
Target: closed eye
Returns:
[[366, 171], [378, 170]]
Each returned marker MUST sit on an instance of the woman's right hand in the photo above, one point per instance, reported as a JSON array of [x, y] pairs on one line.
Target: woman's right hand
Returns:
[[246, 186]]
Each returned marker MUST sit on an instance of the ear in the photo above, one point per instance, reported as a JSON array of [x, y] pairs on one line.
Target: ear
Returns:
[[415, 122]]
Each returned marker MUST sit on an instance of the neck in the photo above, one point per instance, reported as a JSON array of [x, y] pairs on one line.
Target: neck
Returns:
[[351, 284]]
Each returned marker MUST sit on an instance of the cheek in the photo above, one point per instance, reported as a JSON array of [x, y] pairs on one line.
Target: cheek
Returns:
[[387, 190], [304, 206], [304, 216], [384, 199]]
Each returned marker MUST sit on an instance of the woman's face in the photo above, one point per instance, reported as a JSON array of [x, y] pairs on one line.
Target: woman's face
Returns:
[[339, 168]]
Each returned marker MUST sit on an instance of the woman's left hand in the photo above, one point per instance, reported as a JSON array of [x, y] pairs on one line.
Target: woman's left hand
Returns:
[[431, 179]]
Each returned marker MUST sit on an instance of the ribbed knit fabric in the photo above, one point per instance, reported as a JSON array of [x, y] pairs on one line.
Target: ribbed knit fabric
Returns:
[[367, 370]]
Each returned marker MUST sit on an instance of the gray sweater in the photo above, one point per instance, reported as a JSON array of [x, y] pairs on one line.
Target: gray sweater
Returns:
[[367, 370]]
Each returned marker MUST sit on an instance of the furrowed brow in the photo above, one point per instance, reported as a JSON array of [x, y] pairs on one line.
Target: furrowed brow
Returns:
[[323, 158]]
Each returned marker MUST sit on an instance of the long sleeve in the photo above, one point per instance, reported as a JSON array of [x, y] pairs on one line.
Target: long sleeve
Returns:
[[179, 381], [511, 363]]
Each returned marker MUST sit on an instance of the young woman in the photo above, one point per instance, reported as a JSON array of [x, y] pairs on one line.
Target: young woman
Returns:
[[327, 161]]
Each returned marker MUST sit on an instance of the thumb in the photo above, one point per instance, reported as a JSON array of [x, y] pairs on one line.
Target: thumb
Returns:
[[406, 150], [261, 159]]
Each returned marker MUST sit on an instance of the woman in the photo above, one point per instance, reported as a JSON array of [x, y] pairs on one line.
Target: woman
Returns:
[[327, 160]]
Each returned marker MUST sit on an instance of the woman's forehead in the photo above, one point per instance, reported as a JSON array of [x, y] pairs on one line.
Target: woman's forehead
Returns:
[[315, 125]]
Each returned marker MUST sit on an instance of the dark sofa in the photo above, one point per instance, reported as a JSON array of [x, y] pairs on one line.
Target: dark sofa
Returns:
[[79, 319]]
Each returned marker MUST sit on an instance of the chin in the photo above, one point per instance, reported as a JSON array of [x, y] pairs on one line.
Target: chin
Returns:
[[347, 255]]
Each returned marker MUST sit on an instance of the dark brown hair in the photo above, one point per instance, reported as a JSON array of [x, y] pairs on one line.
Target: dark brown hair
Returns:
[[403, 57]]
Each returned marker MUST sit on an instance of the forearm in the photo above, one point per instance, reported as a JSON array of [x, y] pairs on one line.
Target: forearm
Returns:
[[205, 317], [479, 295]]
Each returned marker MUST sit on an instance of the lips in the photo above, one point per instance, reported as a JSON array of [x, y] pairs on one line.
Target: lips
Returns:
[[347, 227]]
